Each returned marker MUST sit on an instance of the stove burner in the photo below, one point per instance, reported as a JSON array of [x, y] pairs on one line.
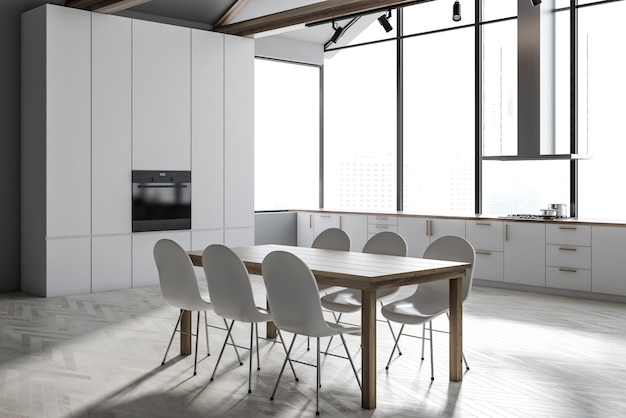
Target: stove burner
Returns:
[[530, 216]]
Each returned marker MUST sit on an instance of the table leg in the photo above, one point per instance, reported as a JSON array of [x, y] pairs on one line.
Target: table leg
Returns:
[[456, 330], [185, 333], [368, 342]]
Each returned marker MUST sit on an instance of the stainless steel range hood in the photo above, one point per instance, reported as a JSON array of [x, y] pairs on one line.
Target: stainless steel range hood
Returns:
[[535, 85]]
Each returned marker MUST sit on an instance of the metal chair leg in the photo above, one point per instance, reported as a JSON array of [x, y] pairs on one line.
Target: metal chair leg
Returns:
[[343, 340], [432, 363], [195, 359], [219, 358], [232, 341], [282, 369], [337, 319], [282, 341], [317, 386], [391, 329], [206, 333], [258, 358], [172, 339], [423, 338], [251, 354], [394, 346]]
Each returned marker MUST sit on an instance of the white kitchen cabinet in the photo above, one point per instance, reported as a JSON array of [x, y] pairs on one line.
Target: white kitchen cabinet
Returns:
[[238, 132], [381, 223], [145, 272], [607, 260], [324, 221], [161, 88], [207, 129], [568, 256], [356, 228], [55, 150], [304, 226], [525, 253], [111, 193], [415, 231], [111, 265], [65, 119], [68, 266], [239, 237], [202, 239], [487, 238], [420, 232]]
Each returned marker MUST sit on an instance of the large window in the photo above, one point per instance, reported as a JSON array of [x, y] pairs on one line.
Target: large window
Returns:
[[601, 92], [439, 123], [360, 128], [287, 135]]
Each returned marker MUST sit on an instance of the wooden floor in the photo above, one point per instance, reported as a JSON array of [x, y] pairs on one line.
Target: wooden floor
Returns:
[[99, 355]]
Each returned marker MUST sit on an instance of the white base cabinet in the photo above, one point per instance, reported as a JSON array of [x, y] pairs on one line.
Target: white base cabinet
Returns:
[[68, 266], [356, 228], [145, 272], [607, 260], [111, 263], [525, 253], [487, 239]]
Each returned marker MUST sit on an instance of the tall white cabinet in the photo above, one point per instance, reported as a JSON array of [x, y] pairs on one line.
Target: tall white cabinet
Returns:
[[56, 151], [104, 95]]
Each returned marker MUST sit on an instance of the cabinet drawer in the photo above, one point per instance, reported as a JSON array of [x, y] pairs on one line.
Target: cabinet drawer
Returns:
[[489, 265], [566, 278], [568, 234], [382, 220], [375, 229], [485, 235], [568, 256]]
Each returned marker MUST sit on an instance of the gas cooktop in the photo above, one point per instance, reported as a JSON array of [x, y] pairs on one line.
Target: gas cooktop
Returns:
[[533, 217]]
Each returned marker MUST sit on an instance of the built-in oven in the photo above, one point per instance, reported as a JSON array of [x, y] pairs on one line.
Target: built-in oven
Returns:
[[161, 200]]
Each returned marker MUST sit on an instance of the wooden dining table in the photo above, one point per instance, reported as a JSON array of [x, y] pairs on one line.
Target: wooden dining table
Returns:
[[367, 273]]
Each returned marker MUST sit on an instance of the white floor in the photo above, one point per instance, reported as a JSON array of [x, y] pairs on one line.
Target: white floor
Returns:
[[99, 355]]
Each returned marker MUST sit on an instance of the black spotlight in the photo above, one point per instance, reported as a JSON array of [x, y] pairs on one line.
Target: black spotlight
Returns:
[[338, 32], [535, 2], [384, 21], [456, 11]]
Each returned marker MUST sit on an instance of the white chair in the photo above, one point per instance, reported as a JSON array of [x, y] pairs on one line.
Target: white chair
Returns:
[[349, 300], [432, 299], [294, 301], [231, 293], [179, 287], [331, 239]]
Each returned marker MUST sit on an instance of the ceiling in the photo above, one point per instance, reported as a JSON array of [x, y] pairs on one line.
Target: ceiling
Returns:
[[206, 13]]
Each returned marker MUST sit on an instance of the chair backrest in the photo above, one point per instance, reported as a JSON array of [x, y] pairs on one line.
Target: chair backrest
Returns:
[[433, 297], [229, 284], [179, 284], [293, 294], [386, 243], [332, 239]]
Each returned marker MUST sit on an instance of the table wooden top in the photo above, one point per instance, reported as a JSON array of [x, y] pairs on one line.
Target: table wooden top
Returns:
[[353, 269]]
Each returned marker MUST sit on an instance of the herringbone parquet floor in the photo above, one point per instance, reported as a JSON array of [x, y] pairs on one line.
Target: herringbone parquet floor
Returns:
[[99, 355]]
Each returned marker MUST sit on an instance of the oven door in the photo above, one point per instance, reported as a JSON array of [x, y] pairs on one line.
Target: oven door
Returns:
[[161, 200]]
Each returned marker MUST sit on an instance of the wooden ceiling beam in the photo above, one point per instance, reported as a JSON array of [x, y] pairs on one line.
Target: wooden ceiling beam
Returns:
[[231, 13], [324, 11], [104, 6]]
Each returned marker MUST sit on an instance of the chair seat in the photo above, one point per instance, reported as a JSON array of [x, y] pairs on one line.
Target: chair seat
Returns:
[[349, 300], [202, 304], [406, 312]]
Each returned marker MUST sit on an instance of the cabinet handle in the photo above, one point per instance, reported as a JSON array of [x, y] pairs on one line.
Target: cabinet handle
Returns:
[[382, 218], [483, 252], [324, 216], [340, 219], [382, 227], [571, 228], [431, 227], [506, 232], [427, 230], [310, 221], [567, 249], [568, 270], [483, 223]]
